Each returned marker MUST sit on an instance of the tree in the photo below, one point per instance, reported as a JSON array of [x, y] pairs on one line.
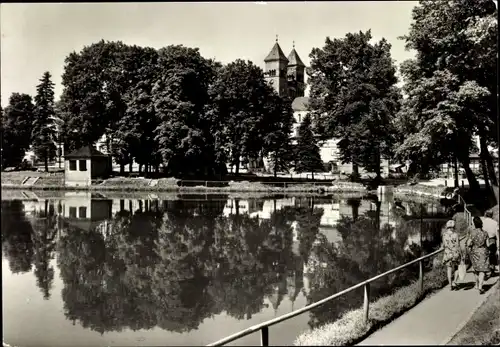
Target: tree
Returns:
[[451, 84], [308, 158], [94, 81], [16, 125], [180, 96], [354, 97], [277, 141], [133, 132], [243, 107], [43, 129]]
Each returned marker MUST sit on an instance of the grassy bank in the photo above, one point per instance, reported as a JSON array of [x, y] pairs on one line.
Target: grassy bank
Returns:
[[420, 190], [483, 328], [55, 181], [350, 329]]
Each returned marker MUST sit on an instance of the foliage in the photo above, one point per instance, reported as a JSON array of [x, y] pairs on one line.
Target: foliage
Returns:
[[184, 132], [43, 133], [251, 117], [450, 85], [355, 98], [93, 81], [16, 125], [133, 134], [277, 141], [307, 154]]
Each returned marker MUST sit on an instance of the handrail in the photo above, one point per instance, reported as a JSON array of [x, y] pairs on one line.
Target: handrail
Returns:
[[287, 316], [264, 326], [467, 213]]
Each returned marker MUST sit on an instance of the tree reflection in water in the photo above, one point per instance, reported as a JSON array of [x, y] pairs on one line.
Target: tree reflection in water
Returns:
[[171, 264], [17, 237]]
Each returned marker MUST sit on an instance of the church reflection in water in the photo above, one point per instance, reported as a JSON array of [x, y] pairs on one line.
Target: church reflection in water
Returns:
[[145, 262]]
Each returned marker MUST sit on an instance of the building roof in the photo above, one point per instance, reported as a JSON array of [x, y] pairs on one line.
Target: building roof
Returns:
[[294, 59], [300, 103], [276, 54], [85, 152]]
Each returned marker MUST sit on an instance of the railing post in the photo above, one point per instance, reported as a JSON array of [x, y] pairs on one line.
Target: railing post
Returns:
[[264, 336], [366, 302], [420, 276]]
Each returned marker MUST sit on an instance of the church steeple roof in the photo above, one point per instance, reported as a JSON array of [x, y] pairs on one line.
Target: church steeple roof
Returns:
[[294, 59], [276, 54]]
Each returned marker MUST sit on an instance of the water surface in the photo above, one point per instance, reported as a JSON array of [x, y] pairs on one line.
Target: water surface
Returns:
[[86, 271]]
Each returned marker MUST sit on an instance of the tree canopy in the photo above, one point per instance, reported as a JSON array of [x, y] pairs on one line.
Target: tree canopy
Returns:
[[17, 124], [355, 98], [451, 85], [252, 117]]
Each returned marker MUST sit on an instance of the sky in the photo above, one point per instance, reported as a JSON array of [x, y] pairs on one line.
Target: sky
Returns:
[[37, 37]]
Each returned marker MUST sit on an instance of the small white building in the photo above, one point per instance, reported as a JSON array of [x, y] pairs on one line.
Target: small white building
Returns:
[[85, 164]]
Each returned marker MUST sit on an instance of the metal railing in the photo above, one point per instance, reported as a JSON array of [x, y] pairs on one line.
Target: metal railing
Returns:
[[264, 326], [467, 214]]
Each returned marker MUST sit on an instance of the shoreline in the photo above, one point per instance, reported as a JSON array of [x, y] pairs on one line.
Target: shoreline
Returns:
[[196, 189], [247, 188], [17, 194]]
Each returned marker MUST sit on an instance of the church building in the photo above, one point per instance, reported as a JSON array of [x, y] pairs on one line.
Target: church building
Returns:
[[286, 75]]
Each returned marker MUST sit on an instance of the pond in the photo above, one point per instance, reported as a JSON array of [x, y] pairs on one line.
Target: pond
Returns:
[[82, 270]]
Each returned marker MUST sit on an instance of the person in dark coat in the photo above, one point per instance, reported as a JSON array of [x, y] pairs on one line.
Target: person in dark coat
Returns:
[[478, 252]]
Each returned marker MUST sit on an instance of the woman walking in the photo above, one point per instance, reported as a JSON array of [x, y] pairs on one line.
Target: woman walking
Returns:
[[478, 252], [452, 254]]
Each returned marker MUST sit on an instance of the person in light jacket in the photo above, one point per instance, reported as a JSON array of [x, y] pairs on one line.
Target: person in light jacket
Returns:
[[452, 254]]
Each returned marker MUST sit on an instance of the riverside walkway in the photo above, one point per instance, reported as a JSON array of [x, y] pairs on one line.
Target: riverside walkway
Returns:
[[436, 319]]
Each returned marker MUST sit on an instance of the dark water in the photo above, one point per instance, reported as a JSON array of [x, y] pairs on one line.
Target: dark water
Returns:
[[79, 271]]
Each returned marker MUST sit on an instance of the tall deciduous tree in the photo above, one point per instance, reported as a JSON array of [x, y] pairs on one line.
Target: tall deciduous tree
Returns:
[[180, 96], [133, 132], [278, 127], [94, 81], [451, 84], [308, 158], [43, 133], [17, 119], [242, 102], [355, 98]]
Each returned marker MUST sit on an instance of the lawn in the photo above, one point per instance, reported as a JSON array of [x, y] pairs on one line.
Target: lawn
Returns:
[[268, 185], [484, 326]]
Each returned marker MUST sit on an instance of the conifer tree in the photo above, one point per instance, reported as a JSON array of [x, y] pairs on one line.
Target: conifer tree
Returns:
[[307, 151], [43, 132]]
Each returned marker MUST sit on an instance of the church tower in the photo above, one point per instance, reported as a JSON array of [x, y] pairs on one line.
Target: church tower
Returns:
[[295, 74], [276, 69]]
